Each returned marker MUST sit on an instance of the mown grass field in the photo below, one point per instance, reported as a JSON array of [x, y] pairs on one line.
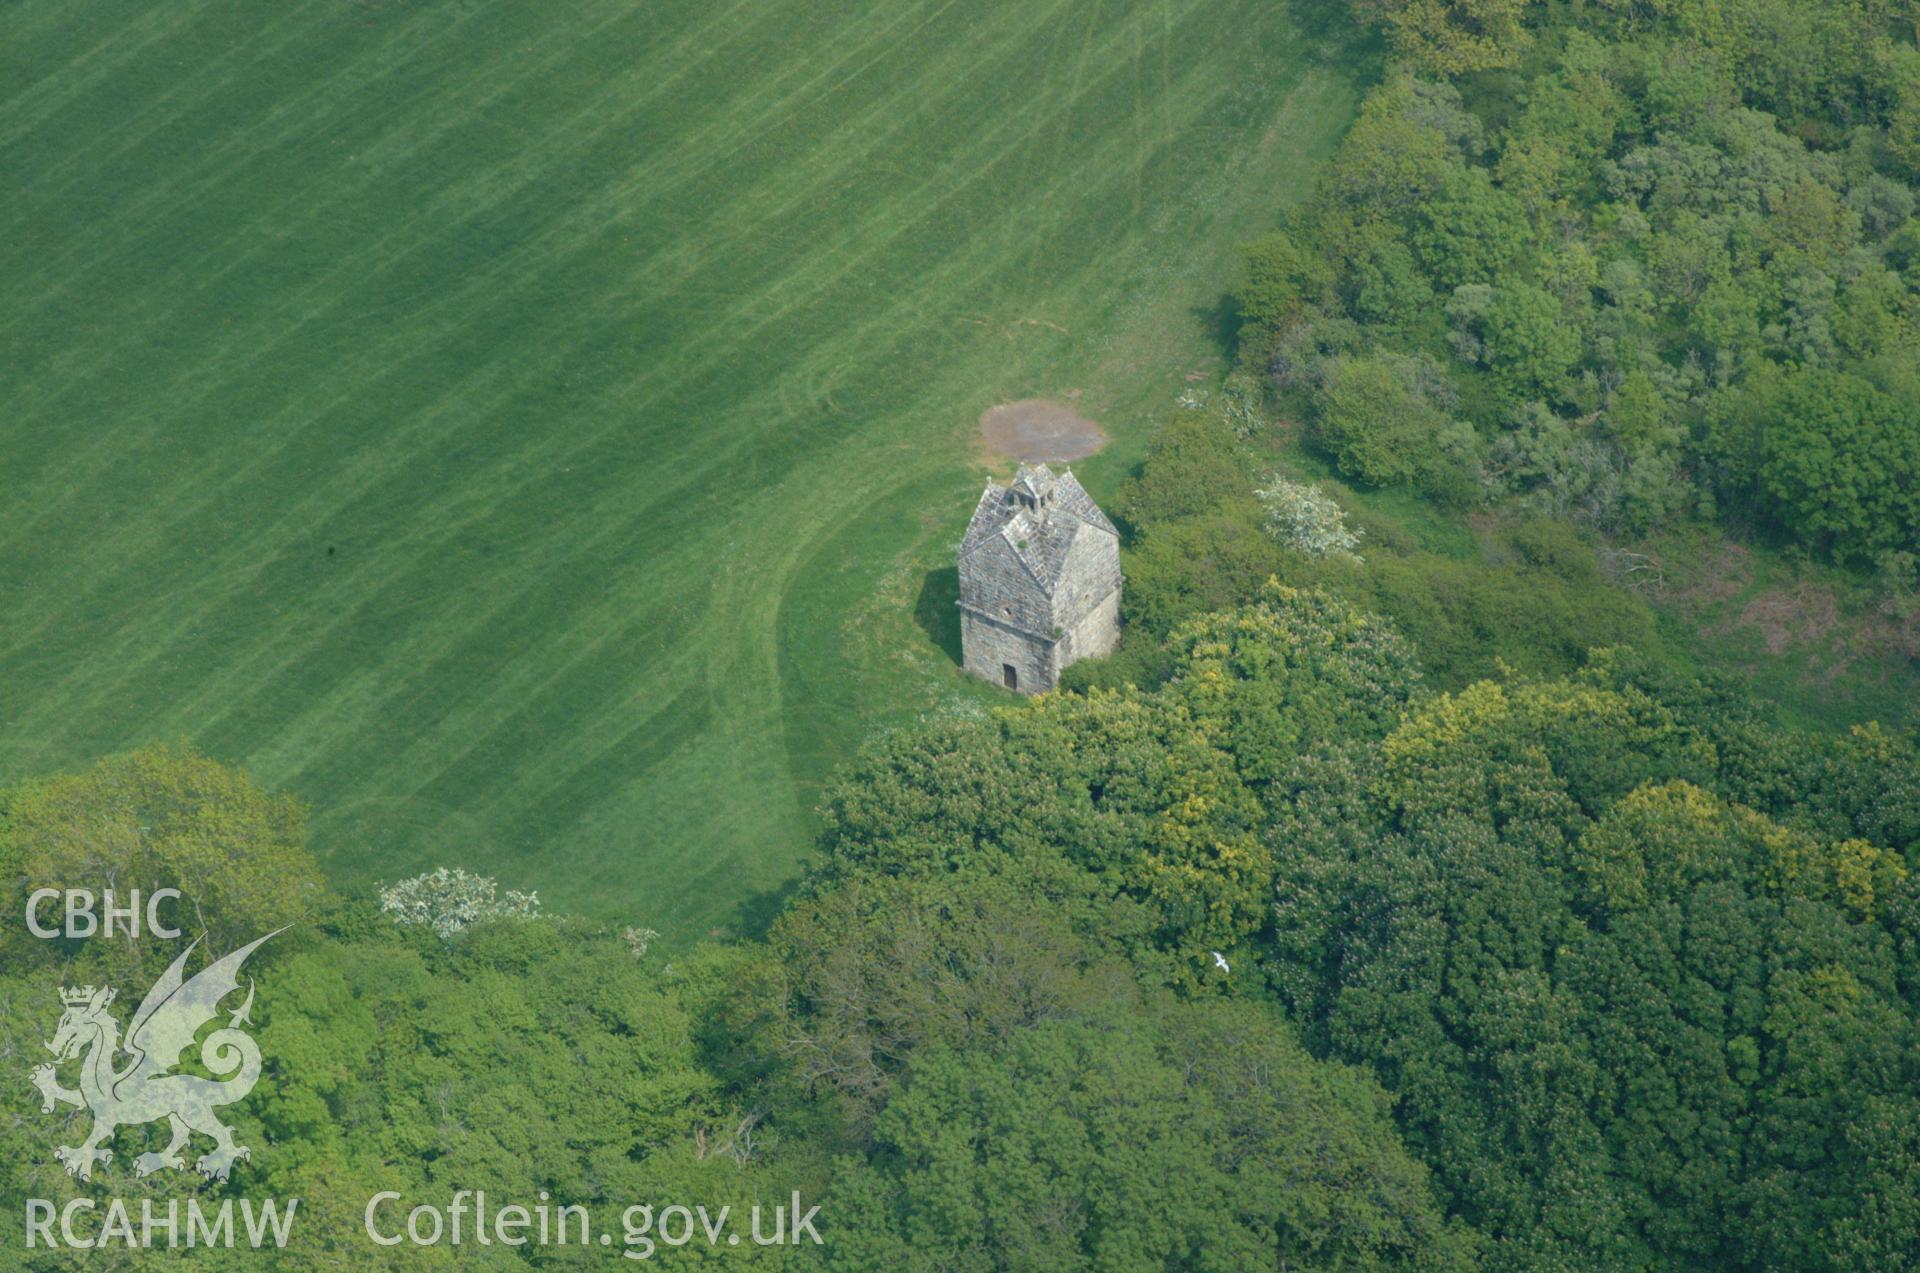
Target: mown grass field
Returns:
[[532, 432]]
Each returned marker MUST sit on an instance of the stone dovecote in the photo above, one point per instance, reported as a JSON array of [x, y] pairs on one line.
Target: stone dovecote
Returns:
[[1039, 580]]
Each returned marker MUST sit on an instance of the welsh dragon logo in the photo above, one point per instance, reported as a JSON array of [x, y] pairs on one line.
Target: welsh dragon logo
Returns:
[[144, 1089]]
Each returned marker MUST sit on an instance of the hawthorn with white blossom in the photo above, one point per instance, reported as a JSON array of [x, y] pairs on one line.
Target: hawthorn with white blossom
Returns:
[[450, 899], [1306, 518]]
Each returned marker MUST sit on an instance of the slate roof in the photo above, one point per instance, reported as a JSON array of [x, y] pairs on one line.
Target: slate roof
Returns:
[[1035, 480], [1041, 537]]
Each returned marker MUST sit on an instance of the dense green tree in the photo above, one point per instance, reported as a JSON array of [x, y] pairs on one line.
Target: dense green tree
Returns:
[[1629, 1023], [1198, 565], [1378, 419], [1197, 1137], [1151, 798], [1277, 280], [1287, 672], [1468, 232], [1650, 225], [1525, 340], [1839, 462], [159, 817], [1451, 36], [879, 970]]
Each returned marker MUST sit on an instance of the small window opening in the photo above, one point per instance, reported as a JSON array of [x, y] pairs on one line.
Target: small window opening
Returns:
[[1009, 677]]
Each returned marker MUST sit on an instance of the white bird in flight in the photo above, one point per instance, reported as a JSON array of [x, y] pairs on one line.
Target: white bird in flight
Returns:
[[1220, 962]]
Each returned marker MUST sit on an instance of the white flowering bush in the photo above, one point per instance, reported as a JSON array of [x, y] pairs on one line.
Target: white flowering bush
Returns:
[[1306, 518], [450, 899]]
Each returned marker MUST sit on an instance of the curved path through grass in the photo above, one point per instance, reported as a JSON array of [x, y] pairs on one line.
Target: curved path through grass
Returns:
[[533, 433]]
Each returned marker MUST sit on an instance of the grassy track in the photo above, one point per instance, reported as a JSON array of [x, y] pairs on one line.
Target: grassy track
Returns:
[[532, 432]]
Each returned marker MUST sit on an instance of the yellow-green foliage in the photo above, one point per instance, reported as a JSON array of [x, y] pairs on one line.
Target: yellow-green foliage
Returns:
[[1193, 853], [1451, 36], [159, 817], [1295, 667], [1600, 742], [1154, 798], [1665, 837]]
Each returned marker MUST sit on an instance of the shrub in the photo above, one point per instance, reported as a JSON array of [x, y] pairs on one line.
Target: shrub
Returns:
[[449, 900], [1193, 467], [1306, 519], [1377, 421]]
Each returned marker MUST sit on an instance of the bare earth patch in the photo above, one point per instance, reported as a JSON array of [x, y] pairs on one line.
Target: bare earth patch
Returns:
[[1038, 430], [1805, 615], [1809, 618], [1726, 576]]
